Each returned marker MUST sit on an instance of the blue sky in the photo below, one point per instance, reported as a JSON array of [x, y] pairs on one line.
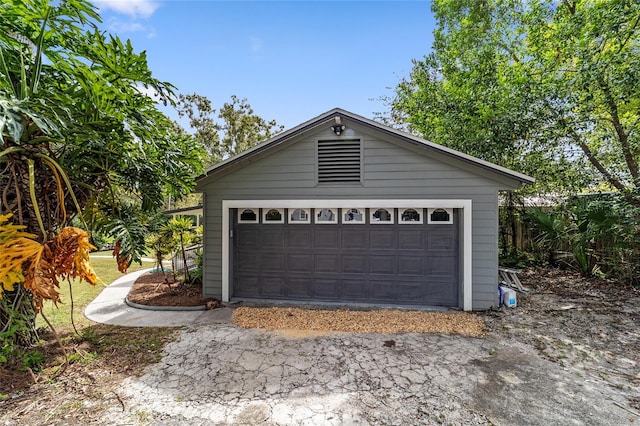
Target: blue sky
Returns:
[[292, 60]]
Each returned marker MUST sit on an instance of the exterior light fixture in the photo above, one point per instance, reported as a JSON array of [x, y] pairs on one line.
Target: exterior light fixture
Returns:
[[339, 127]]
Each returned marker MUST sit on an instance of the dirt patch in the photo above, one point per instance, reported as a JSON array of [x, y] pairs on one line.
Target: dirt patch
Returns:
[[586, 324], [375, 321], [77, 390], [158, 289]]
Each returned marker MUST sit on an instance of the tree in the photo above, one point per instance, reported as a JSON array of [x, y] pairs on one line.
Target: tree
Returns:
[[541, 86], [78, 132], [237, 129]]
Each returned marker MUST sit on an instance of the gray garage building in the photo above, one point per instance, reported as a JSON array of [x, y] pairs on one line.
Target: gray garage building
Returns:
[[343, 209]]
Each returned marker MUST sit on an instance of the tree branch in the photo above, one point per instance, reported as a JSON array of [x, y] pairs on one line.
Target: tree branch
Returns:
[[623, 137]]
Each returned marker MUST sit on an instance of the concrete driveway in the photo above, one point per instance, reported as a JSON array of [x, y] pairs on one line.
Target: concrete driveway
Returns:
[[221, 374]]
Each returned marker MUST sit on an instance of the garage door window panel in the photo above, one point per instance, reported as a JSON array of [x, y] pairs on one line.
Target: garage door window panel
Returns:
[[381, 216], [272, 216], [301, 216], [248, 216], [326, 216], [410, 216], [440, 216], [353, 216]]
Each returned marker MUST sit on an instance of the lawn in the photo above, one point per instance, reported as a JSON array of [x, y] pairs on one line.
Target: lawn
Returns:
[[60, 317]]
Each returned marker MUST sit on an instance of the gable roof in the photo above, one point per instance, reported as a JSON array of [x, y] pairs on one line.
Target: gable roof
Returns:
[[329, 118]]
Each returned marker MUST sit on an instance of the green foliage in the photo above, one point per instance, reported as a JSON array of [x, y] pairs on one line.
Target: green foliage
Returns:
[[196, 275], [126, 227], [160, 245], [73, 93], [553, 230], [596, 234], [79, 134], [33, 360], [88, 334], [83, 356], [178, 234], [542, 87], [7, 344], [236, 129]]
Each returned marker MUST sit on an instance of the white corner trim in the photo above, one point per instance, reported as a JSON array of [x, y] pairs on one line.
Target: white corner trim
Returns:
[[225, 251], [464, 205], [467, 251]]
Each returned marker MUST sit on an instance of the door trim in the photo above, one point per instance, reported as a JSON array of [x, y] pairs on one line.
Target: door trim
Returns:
[[464, 205]]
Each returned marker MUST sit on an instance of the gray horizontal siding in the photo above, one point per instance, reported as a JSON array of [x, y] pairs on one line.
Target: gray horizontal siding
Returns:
[[389, 171]]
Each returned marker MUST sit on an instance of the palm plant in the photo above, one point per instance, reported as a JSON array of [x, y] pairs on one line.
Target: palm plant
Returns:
[[181, 230], [553, 232]]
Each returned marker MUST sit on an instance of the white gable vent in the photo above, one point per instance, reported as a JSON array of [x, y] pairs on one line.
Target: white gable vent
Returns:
[[339, 161]]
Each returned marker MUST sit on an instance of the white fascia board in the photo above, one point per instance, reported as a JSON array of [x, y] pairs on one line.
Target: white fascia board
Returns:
[[342, 203]]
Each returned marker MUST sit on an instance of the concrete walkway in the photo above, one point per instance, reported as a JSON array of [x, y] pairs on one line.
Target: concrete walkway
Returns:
[[110, 308]]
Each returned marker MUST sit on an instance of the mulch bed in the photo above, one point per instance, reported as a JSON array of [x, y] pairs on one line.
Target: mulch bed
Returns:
[[158, 289], [373, 321]]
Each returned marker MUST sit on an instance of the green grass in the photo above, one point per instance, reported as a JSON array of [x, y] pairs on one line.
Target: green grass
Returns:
[[83, 294]]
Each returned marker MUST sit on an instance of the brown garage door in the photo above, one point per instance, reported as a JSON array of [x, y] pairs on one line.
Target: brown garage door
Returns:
[[407, 264]]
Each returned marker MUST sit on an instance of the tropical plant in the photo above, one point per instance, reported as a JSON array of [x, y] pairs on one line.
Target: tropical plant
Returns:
[[593, 233], [37, 268], [161, 246], [554, 232], [78, 134], [181, 232]]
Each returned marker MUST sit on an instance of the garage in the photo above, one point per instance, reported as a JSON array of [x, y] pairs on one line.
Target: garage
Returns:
[[345, 210], [353, 255]]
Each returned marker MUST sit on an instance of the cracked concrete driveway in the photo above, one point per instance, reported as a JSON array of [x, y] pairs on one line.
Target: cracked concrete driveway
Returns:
[[221, 374]]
